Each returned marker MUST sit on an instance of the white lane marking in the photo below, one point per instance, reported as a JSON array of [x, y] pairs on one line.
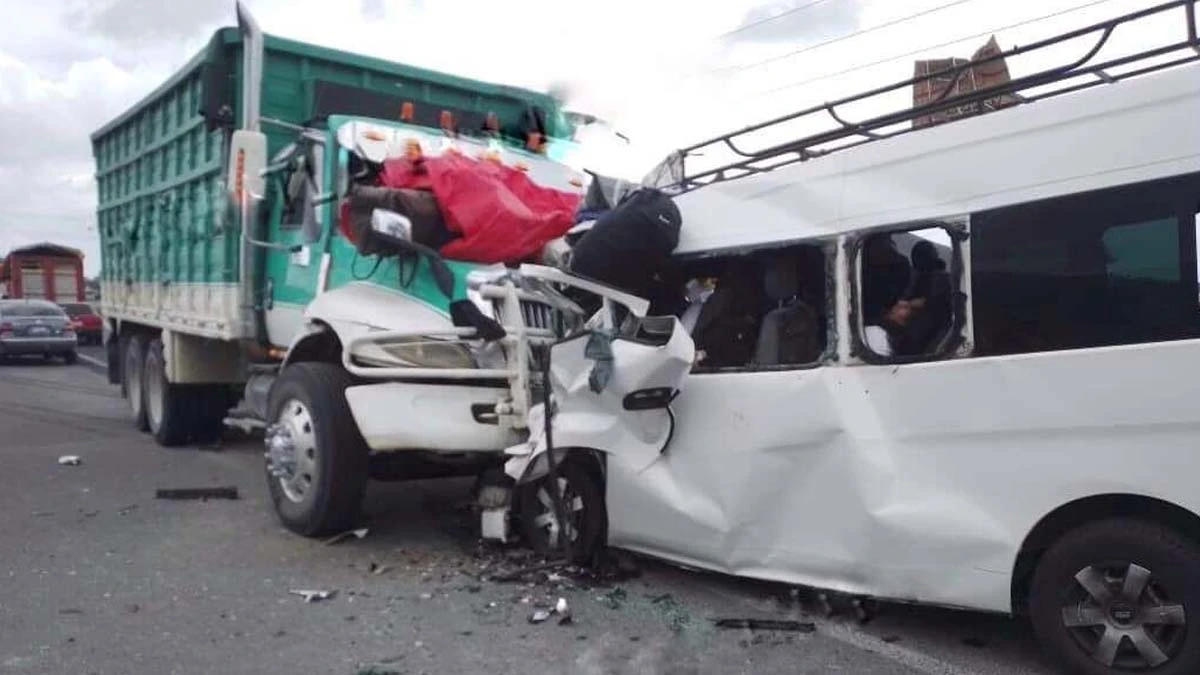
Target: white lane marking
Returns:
[[94, 361]]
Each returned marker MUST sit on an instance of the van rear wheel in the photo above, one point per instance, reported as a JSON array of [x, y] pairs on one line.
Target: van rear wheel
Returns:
[[317, 461], [1115, 596]]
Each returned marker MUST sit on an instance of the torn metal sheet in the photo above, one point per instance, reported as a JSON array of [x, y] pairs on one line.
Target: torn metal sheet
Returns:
[[629, 415], [70, 460]]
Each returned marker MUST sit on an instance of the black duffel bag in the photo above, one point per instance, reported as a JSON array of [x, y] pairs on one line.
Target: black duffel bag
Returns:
[[630, 244]]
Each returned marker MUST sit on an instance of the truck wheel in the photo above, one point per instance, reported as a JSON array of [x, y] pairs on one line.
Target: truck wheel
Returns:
[[170, 408], [1115, 596], [135, 357], [317, 461], [583, 499]]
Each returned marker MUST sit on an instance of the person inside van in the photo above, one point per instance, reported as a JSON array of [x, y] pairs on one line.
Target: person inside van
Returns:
[[887, 332]]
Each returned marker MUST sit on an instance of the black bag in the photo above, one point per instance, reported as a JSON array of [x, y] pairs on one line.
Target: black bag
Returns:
[[628, 245]]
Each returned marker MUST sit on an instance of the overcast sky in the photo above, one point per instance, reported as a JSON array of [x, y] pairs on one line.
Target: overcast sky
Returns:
[[665, 72]]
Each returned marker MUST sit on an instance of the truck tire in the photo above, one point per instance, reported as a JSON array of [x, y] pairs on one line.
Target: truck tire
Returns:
[[170, 408], [1116, 596], [317, 461], [134, 358]]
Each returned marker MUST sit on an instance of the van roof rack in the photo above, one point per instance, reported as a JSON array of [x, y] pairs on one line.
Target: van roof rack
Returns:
[[672, 174]]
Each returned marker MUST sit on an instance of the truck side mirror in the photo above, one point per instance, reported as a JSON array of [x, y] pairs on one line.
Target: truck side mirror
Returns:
[[312, 226]]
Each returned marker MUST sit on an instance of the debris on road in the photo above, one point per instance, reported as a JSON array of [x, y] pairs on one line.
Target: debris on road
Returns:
[[767, 624], [313, 595], [203, 494], [539, 616], [376, 568], [614, 598], [126, 510], [563, 610], [357, 534], [70, 460]]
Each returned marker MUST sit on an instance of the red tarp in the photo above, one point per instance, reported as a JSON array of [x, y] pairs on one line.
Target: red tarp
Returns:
[[502, 215]]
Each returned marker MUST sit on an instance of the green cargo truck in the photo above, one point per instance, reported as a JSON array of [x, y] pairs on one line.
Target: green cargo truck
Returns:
[[231, 297]]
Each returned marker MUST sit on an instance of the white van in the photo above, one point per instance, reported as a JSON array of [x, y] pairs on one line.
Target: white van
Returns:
[[953, 367]]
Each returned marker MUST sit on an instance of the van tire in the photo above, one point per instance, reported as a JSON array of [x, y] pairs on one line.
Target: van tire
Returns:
[[591, 521], [339, 457], [132, 363], [1108, 550]]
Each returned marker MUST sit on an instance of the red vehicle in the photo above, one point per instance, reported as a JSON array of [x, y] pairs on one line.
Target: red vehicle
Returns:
[[87, 323]]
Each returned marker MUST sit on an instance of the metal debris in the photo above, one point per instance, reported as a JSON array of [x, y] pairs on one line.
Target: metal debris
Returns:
[[203, 494], [563, 610], [358, 534], [70, 460], [375, 568], [313, 595], [539, 616], [767, 624]]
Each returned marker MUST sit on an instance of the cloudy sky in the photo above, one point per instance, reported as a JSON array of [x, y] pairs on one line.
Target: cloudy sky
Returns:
[[665, 72]]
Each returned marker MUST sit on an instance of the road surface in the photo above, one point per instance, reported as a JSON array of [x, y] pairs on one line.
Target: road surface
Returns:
[[98, 576]]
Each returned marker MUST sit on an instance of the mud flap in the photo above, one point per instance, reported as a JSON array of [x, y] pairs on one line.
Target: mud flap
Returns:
[[628, 417]]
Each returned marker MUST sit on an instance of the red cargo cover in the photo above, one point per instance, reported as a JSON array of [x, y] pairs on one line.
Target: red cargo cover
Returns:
[[501, 215]]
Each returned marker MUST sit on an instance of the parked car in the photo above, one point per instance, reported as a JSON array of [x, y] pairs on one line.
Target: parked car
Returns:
[[87, 323], [33, 327]]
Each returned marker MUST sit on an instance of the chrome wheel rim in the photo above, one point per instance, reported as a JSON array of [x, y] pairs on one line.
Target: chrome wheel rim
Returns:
[[547, 522], [1123, 617], [292, 451]]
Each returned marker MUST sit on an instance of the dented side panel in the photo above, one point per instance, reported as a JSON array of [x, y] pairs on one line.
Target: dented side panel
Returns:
[[915, 482]]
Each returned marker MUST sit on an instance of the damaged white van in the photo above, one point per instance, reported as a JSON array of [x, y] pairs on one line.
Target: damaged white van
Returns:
[[954, 366]]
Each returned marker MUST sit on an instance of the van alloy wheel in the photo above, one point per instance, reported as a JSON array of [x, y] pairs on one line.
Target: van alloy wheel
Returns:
[[1123, 617], [292, 451]]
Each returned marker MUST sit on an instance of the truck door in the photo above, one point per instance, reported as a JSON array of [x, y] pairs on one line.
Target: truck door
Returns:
[[296, 228]]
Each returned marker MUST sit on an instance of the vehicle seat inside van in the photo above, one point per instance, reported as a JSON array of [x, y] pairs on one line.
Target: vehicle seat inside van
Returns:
[[788, 334]]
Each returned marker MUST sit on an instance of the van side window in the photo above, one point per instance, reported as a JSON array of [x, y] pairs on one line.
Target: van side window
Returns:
[[760, 310], [906, 300], [1107, 268]]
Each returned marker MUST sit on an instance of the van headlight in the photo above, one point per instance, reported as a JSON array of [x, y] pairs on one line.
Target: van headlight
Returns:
[[417, 353]]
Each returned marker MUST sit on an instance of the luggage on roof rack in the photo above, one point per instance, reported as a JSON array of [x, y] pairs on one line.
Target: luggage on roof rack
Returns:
[[673, 176]]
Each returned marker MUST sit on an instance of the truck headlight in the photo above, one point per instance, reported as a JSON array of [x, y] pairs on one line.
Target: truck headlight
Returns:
[[423, 353]]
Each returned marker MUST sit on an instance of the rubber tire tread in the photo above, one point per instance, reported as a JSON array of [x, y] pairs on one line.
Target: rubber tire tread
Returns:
[[1170, 556], [136, 344], [179, 407], [342, 454]]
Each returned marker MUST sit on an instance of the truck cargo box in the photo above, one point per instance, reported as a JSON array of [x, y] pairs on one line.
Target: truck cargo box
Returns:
[[171, 242]]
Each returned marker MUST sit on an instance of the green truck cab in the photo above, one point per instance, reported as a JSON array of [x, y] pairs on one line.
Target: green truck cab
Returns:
[[232, 298]]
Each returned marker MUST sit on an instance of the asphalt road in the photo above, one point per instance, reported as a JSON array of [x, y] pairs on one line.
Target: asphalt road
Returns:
[[98, 576]]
